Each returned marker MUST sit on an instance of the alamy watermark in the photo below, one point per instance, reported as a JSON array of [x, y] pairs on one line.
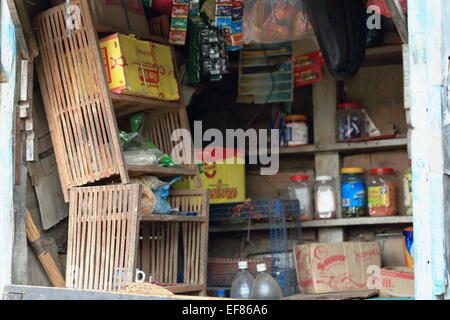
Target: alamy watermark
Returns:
[[221, 147]]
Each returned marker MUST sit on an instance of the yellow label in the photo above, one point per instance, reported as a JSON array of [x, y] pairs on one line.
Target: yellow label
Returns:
[[140, 68], [379, 197], [225, 182]]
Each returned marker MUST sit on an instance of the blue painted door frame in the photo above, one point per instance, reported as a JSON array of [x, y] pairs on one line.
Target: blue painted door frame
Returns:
[[8, 58], [429, 52]]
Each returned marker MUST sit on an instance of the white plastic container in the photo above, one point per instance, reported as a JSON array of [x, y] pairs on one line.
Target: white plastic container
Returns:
[[265, 287], [242, 283]]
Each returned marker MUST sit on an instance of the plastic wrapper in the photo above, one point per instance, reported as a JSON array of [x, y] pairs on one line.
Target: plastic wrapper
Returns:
[[267, 21], [384, 10], [138, 151]]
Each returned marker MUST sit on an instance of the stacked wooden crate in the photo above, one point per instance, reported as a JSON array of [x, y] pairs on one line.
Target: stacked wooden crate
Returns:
[[103, 217]]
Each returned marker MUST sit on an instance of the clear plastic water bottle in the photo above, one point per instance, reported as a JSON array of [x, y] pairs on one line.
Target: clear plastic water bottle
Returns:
[[265, 287], [242, 282]]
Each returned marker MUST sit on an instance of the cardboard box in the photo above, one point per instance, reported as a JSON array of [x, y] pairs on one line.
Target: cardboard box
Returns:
[[335, 267], [397, 282], [129, 17], [224, 179], [141, 68]]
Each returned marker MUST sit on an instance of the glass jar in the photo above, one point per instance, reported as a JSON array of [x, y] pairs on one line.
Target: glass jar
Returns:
[[350, 122], [353, 192], [296, 130], [325, 195], [300, 190], [407, 191], [382, 192]]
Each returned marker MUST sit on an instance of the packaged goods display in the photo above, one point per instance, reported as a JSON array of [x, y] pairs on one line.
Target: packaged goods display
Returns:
[[382, 192], [300, 189], [296, 133], [350, 122], [353, 192], [325, 194]]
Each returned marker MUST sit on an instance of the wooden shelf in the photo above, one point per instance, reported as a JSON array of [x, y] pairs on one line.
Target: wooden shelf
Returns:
[[157, 171], [105, 29], [383, 55], [320, 223], [185, 288], [171, 218], [348, 147], [126, 104], [351, 147]]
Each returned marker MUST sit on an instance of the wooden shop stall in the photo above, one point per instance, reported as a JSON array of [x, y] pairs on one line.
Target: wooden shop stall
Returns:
[[116, 193]]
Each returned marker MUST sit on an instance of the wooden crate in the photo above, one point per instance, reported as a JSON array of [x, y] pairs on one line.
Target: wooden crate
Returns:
[[159, 128], [77, 103], [103, 236], [173, 245]]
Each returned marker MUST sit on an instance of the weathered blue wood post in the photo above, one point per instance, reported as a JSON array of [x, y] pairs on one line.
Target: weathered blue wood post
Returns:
[[8, 66], [429, 52]]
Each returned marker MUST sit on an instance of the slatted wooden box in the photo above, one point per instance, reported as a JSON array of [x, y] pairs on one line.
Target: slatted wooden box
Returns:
[[77, 103], [173, 249], [103, 236]]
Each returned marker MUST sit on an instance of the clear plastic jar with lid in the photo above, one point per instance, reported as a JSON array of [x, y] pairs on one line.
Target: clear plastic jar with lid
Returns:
[[382, 192], [350, 122], [325, 195], [300, 190], [353, 192], [296, 130]]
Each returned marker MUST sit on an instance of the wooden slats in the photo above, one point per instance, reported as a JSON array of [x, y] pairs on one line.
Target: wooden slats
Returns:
[[77, 103], [102, 241], [162, 241], [159, 128]]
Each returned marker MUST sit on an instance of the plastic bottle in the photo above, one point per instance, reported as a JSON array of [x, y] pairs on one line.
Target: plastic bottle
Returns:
[[265, 287], [242, 282]]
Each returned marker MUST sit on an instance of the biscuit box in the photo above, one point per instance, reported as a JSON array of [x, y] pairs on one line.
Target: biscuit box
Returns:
[[141, 68], [336, 267]]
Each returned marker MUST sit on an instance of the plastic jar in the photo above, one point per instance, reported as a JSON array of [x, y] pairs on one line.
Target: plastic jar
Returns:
[[350, 122], [300, 190], [325, 195], [296, 130], [353, 192], [407, 191], [382, 192]]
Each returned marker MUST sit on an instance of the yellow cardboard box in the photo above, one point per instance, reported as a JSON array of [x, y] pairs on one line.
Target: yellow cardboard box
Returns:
[[225, 180], [141, 68]]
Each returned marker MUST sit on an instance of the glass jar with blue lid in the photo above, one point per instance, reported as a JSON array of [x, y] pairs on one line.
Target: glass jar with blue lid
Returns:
[[353, 193]]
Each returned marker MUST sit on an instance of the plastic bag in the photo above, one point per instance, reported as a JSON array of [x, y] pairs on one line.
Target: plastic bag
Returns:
[[383, 7], [267, 21], [161, 194], [340, 27], [139, 151]]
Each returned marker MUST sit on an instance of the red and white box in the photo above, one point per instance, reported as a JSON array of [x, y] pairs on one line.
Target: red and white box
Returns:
[[336, 267], [397, 282]]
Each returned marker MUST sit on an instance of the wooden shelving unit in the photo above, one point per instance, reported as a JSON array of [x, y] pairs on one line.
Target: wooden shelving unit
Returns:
[[139, 170], [167, 239], [126, 104], [349, 222]]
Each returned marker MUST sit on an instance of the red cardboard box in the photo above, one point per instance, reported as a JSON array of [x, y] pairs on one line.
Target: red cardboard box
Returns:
[[335, 267]]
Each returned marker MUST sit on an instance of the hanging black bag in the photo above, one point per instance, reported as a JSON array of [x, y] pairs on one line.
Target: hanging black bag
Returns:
[[340, 27]]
